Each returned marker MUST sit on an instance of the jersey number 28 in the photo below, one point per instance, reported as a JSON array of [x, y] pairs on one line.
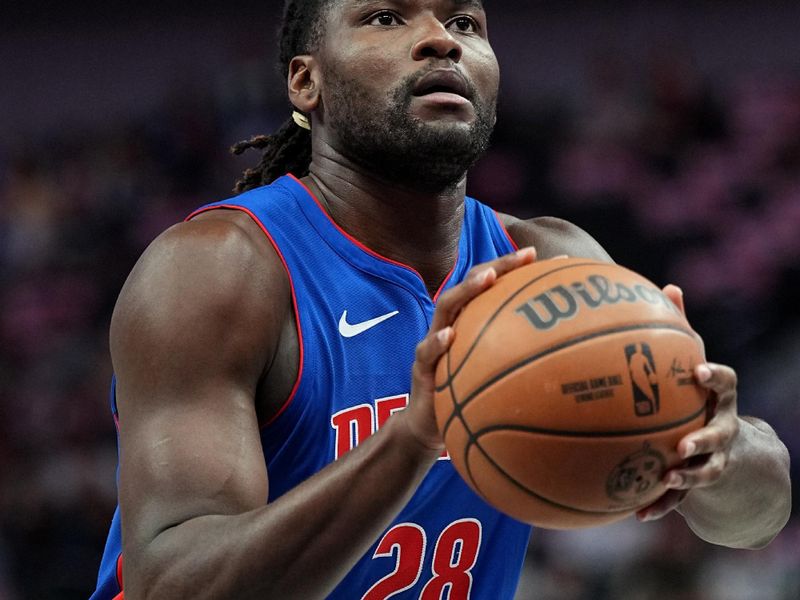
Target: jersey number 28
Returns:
[[455, 554]]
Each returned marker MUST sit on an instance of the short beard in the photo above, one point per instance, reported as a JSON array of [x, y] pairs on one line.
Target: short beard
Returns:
[[393, 145]]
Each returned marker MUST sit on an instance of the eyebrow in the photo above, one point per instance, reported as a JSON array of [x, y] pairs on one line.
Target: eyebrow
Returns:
[[474, 3]]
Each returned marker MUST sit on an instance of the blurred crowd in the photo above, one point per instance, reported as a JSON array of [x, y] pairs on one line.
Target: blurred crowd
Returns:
[[684, 181]]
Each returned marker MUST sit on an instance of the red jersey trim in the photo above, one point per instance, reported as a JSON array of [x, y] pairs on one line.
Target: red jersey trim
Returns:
[[514, 244], [369, 250], [294, 301], [444, 282], [119, 574]]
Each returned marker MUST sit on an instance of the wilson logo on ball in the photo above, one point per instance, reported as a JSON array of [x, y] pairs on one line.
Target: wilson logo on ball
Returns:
[[598, 335], [561, 302]]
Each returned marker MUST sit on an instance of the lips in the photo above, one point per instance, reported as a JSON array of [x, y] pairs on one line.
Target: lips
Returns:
[[442, 80]]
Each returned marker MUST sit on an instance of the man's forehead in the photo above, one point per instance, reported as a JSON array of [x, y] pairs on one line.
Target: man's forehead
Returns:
[[478, 4]]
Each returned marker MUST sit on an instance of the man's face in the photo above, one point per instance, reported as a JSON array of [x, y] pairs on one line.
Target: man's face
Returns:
[[409, 87]]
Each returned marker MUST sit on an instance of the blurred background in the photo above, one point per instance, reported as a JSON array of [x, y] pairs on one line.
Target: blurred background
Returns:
[[669, 130]]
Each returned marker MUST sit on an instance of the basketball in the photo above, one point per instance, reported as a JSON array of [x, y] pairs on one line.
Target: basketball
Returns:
[[566, 390]]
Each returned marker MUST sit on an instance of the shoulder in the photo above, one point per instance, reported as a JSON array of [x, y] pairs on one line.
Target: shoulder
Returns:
[[206, 278], [552, 236], [219, 252]]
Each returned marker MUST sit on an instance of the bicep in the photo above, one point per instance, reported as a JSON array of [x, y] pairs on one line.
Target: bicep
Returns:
[[190, 337]]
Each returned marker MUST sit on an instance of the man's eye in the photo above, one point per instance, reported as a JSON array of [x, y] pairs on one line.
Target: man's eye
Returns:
[[465, 24], [384, 19]]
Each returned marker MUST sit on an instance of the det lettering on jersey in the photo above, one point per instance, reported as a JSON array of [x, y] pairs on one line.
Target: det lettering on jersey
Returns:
[[355, 424]]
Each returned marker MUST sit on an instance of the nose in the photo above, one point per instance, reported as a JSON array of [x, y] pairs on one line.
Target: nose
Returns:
[[435, 41]]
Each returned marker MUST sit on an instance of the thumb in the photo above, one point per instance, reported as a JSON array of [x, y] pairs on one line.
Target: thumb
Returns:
[[675, 294]]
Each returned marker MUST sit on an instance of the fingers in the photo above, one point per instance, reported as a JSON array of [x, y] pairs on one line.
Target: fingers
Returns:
[[419, 415], [707, 450], [477, 280], [717, 435], [675, 294], [668, 502], [723, 422], [432, 347], [702, 473], [720, 379], [453, 300]]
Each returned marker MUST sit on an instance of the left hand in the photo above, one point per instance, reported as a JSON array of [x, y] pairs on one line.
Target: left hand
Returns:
[[706, 450]]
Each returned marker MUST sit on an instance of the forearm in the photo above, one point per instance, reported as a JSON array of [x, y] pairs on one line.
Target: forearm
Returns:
[[750, 503], [299, 546]]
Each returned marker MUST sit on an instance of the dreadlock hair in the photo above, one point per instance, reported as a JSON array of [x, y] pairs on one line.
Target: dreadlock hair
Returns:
[[289, 149]]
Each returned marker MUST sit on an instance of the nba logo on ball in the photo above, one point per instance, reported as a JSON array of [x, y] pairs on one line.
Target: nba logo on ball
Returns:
[[565, 392], [644, 381]]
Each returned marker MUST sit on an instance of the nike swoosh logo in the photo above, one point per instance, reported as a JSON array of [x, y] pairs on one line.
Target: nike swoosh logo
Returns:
[[347, 330]]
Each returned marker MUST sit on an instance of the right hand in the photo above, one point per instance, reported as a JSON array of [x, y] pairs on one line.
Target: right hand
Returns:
[[420, 416]]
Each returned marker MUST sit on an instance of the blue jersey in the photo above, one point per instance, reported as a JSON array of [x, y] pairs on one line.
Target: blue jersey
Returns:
[[359, 318]]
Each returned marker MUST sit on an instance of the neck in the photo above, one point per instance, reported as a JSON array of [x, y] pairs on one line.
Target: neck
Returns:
[[420, 229]]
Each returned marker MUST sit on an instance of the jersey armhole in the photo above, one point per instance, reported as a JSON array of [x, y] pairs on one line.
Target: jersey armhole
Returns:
[[511, 241], [257, 221]]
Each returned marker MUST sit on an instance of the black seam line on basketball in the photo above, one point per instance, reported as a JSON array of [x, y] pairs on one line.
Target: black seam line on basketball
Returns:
[[456, 407], [509, 300], [526, 489], [456, 412], [592, 434], [562, 346]]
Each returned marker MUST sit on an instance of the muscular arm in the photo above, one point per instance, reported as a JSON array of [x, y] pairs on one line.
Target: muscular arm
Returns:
[[751, 501], [196, 325], [736, 490], [553, 237], [196, 328]]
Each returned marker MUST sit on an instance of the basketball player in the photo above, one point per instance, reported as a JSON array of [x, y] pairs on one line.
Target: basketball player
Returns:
[[266, 349]]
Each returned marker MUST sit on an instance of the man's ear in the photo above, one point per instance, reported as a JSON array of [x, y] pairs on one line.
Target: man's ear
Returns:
[[304, 83]]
